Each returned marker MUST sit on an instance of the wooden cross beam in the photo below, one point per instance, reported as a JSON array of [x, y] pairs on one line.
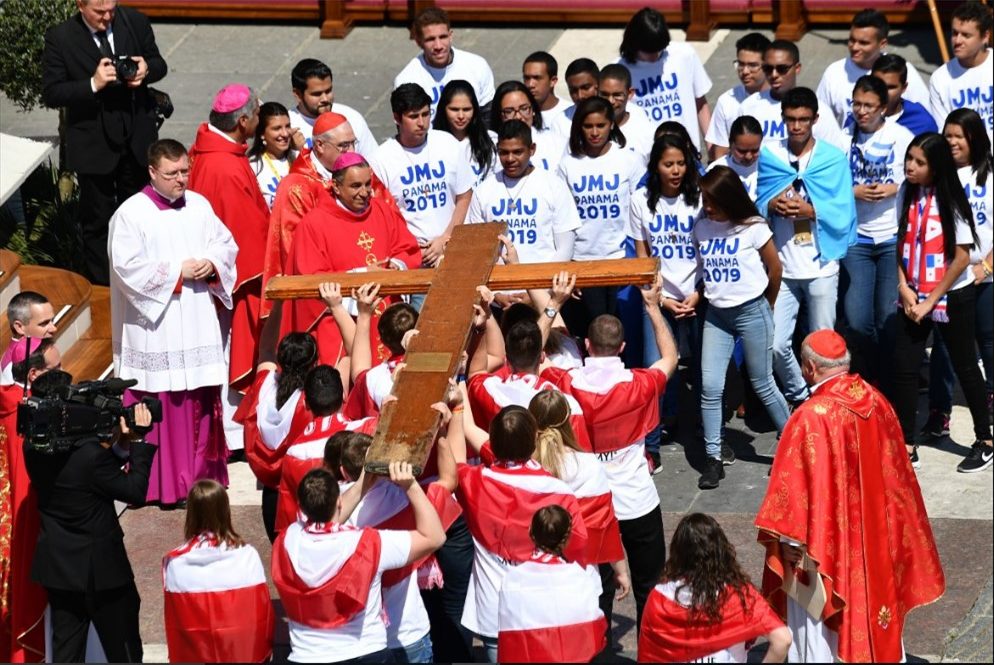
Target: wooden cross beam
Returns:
[[408, 425]]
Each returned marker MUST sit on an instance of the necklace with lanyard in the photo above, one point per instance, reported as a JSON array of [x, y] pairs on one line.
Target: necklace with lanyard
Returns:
[[272, 166], [920, 220]]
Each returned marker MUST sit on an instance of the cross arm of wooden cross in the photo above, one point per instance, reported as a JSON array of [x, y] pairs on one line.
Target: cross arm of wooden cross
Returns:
[[408, 427]]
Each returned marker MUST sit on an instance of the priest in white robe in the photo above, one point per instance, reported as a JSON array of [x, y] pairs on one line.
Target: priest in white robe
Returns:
[[172, 263]]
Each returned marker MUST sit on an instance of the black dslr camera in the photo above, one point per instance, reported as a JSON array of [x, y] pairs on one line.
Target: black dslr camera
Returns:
[[64, 416], [125, 67]]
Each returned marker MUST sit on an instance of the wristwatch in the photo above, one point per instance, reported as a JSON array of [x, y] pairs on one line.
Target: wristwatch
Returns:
[[550, 312]]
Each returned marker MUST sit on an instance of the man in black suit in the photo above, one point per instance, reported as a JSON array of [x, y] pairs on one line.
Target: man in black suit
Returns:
[[81, 559], [110, 122]]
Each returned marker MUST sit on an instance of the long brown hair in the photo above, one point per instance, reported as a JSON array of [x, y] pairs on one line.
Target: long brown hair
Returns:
[[725, 190], [208, 510], [703, 561], [552, 414]]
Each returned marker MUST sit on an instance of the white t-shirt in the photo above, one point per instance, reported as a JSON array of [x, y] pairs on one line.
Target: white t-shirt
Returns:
[[669, 87], [366, 144], [464, 65], [747, 174], [424, 181], [602, 188], [724, 114], [535, 207], [638, 132], [767, 111], [269, 172], [878, 157], [980, 198], [953, 87], [563, 122], [318, 557], [799, 253], [549, 117], [550, 148], [729, 257], [478, 171], [668, 232], [835, 90]]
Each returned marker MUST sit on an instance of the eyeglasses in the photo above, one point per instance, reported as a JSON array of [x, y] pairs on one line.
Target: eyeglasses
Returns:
[[613, 96], [748, 66], [173, 175], [780, 69], [523, 110], [865, 107], [346, 146]]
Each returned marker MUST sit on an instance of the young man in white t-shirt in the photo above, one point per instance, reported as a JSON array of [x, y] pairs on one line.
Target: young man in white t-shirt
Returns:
[[440, 62], [582, 82], [806, 276], [539, 74], [782, 64], [329, 574], [621, 407], [311, 82], [749, 62], [615, 85], [537, 206], [966, 80], [670, 81], [426, 172], [866, 43]]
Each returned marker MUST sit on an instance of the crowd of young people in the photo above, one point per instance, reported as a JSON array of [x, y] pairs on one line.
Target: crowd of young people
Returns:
[[863, 206]]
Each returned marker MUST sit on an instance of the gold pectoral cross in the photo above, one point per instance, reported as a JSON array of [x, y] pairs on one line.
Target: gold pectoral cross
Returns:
[[366, 241]]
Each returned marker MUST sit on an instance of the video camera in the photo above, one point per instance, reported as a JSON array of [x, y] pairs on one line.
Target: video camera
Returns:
[[68, 415]]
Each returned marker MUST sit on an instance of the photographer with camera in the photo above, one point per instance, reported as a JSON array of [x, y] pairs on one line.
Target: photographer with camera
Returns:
[[98, 65], [75, 466]]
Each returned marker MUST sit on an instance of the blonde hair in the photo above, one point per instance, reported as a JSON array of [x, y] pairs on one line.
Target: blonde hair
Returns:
[[555, 435]]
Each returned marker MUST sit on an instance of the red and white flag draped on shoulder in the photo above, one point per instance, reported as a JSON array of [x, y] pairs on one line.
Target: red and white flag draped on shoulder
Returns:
[[500, 500], [307, 453], [548, 612], [269, 430], [671, 633], [217, 604], [342, 594]]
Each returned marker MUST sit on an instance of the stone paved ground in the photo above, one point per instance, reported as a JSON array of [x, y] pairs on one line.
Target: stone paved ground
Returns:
[[202, 57]]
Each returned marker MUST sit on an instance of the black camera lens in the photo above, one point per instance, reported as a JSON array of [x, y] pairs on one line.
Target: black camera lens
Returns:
[[126, 68]]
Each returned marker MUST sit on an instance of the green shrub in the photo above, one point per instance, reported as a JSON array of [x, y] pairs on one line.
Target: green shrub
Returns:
[[22, 39]]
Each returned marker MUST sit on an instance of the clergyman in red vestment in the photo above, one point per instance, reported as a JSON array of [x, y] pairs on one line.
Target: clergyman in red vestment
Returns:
[[849, 547], [355, 231], [220, 172], [309, 181]]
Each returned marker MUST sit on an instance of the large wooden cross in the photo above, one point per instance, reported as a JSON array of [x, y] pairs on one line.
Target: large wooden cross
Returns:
[[408, 426]]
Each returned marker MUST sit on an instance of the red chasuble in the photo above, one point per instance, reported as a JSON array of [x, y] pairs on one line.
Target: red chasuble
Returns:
[[22, 602], [333, 239], [220, 171], [843, 486], [670, 634], [298, 194]]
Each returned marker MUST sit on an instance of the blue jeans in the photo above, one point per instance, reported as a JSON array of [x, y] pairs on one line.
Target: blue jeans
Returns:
[[690, 329], [490, 648], [417, 300], [819, 295], [416, 652], [941, 370], [870, 309], [753, 323]]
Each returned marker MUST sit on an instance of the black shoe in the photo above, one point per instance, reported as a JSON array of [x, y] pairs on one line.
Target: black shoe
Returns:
[[979, 459], [914, 457], [728, 455], [937, 425], [714, 472]]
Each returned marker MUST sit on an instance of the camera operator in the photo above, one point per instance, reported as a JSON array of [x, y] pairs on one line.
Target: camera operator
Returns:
[[80, 558], [98, 65]]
